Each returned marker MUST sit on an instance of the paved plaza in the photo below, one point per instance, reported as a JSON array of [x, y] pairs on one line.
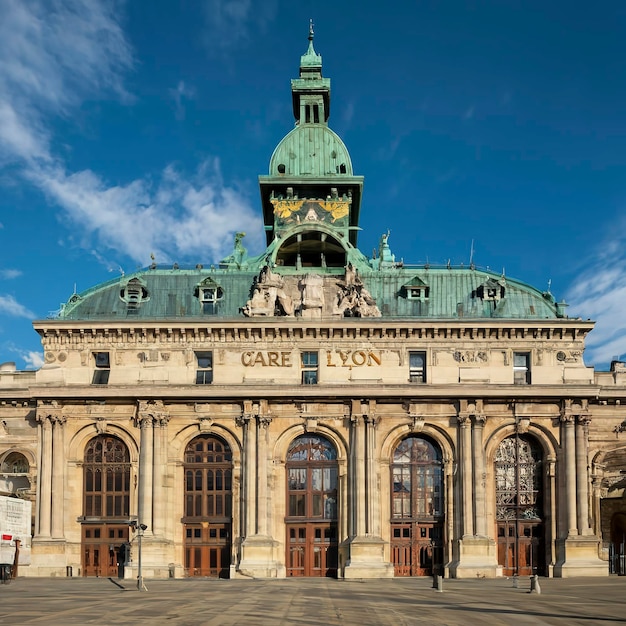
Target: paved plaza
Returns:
[[397, 602]]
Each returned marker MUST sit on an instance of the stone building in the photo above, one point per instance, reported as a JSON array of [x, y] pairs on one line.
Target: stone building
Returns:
[[315, 412]]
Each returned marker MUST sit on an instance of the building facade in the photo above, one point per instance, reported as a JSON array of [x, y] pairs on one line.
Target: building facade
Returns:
[[316, 412]]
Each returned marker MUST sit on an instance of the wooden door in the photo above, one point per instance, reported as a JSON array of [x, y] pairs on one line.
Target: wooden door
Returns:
[[312, 550], [416, 548], [102, 549], [207, 550]]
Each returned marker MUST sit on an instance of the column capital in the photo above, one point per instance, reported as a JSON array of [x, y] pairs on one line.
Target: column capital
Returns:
[[574, 410], [150, 412], [50, 412]]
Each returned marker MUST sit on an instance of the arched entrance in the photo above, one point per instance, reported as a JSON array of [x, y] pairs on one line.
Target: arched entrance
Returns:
[[311, 521], [207, 523], [417, 512], [519, 506], [106, 506]]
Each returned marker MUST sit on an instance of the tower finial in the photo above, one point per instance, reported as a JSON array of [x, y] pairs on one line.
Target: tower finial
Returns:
[[311, 31]]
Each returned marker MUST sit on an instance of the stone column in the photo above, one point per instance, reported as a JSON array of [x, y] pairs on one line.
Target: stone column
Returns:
[[467, 509], [569, 441], [598, 475], [358, 465], [145, 421], [551, 461], [58, 475], [250, 471], [582, 473], [372, 495], [159, 500], [262, 490], [45, 476], [480, 512]]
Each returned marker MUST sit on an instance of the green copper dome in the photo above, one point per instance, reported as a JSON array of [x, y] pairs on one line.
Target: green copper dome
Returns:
[[311, 150]]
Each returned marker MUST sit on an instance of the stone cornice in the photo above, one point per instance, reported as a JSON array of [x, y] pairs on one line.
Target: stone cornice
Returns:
[[72, 332], [323, 392]]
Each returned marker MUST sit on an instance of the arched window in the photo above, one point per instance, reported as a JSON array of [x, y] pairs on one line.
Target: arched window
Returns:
[[106, 506], [312, 546], [417, 507], [107, 478], [208, 506], [15, 463], [519, 505]]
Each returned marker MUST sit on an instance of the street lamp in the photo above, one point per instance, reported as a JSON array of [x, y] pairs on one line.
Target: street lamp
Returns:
[[140, 528]]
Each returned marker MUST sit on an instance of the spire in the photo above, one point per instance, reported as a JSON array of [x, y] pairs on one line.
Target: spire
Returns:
[[310, 59], [311, 92]]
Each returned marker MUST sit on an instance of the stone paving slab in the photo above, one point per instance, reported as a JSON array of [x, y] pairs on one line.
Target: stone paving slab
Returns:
[[307, 602]]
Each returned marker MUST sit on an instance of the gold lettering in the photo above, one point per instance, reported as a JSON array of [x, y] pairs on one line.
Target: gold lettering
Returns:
[[272, 359], [361, 360], [260, 359], [246, 358], [344, 357], [285, 359], [373, 357], [329, 357]]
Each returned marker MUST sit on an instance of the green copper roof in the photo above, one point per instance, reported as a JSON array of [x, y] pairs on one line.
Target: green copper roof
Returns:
[[310, 202], [311, 150]]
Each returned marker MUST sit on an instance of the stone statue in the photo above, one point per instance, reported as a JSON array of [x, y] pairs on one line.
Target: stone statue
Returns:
[[268, 296]]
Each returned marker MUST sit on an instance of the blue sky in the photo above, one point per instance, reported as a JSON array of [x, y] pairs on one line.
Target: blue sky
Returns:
[[139, 128]]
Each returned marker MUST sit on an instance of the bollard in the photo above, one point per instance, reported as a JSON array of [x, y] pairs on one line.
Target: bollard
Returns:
[[534, 584], [515, 581], [439, 584]]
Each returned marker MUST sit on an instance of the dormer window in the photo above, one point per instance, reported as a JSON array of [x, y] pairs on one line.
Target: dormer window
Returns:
[[490, 291], [417, 289], [134, 293], [209, 293]]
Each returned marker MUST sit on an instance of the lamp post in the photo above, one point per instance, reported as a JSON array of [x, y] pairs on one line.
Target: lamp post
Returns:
[[140, 528]]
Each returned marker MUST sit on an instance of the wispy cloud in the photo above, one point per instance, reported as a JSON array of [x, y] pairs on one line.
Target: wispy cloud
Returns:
[[9, 274], [53, 55], [10, 306], [230, 22], [599, 293], [181, 93], [33, 360], [178, 218]]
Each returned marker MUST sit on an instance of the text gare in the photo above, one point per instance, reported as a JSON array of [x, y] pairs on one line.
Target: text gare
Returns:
[[334, 358]]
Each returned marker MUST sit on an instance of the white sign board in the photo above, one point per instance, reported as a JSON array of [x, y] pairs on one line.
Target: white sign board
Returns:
[[15, 523]]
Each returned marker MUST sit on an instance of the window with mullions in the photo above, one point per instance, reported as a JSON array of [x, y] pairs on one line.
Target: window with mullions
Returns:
[[309, 362], [106, 470], [204, 373], [312, 478], [103, 368], [417, 480], [417, 367], [521, 368]]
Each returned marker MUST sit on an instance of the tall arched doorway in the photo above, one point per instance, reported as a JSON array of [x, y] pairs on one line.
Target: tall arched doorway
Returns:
[[106, 505], [417, 508], [311, 521], [519, 506], [207, 523]]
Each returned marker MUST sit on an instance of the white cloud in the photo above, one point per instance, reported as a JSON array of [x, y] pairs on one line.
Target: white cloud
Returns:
[[33, 360], [53, 55], [9, 274], [229, 22], [10, 306], [599, 293], [179, 94], [178, 218]]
